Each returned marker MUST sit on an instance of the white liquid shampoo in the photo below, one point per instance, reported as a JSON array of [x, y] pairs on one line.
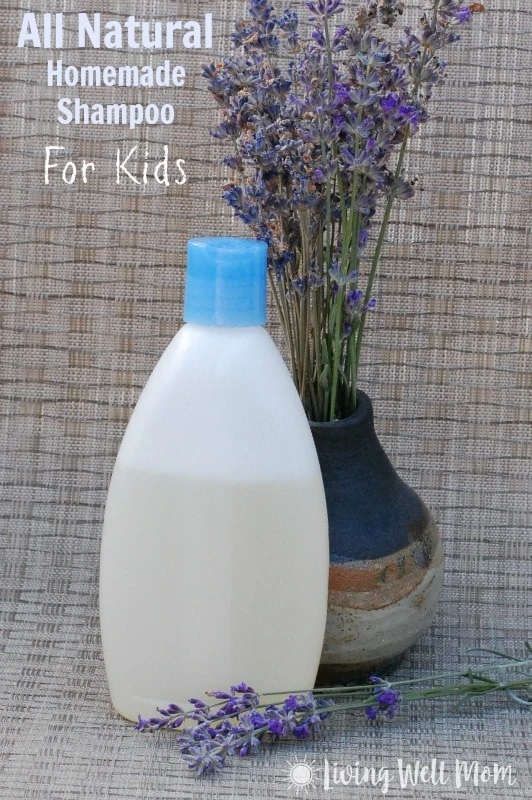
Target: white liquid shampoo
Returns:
[[214, 559]]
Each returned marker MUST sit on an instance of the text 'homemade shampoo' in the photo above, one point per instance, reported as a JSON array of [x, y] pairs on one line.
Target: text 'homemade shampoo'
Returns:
[[214, 560]]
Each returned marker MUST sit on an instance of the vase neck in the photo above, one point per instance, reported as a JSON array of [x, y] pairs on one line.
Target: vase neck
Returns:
[[360, 423]]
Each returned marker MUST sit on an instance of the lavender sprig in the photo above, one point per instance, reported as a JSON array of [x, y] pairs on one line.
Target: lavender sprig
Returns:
[[241, 720], [319, 126]]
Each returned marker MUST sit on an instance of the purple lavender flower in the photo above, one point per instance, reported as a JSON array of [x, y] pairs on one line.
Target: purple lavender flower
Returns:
[[315, 280], [301, 731], [203, 758], [371, 712], [387, 697], [288, 22], [300, 285], [197, 703], [463, 15], [338, 276], [387, 700], [276, 727], [258, 720], [290, 704], [241, 729], [353, 299], [363, 237], [391, 102], [322, 9], [342, 93], [248, 730], [318, 126], [347, 329], [319, 37]]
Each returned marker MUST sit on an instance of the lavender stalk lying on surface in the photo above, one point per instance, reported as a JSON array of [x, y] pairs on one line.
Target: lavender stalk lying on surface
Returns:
[[242, 719]]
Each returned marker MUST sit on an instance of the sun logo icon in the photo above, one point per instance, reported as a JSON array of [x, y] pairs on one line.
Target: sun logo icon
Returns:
[[301, 775]]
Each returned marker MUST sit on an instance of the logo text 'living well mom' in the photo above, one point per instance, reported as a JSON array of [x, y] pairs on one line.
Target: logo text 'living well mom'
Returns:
[[407, 774], [303, 776]]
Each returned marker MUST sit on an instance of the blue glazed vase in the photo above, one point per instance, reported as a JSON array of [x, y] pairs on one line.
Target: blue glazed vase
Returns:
[[386, 563]]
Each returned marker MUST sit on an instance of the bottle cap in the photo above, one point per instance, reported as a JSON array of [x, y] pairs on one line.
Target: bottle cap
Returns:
[[226, 282]]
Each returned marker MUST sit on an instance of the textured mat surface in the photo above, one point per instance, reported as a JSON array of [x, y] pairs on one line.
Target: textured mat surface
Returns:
[[91, 292]]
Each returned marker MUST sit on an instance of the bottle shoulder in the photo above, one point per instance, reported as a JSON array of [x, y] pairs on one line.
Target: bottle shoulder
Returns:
[[222, 396], [227, 342], [216, 363]]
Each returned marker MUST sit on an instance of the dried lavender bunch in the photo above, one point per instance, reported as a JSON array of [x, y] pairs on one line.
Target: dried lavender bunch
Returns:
[[320, 125], [240, 721]]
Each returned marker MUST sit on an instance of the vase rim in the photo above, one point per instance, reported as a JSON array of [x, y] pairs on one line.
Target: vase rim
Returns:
[[363, 413]]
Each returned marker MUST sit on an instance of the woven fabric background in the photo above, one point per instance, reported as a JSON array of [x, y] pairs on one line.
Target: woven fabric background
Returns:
[[91, 293]]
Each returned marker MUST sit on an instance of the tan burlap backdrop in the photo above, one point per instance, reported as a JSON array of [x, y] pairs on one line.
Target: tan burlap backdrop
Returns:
[[91, 293]]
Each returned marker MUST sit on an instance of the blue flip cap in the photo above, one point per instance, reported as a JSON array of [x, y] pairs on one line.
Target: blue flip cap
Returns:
[[226, 282]]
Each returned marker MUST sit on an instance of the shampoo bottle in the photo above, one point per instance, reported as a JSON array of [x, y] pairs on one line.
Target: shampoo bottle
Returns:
[[214, 558]]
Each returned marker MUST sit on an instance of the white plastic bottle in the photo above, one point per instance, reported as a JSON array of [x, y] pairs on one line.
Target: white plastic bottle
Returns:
[[214, 559]]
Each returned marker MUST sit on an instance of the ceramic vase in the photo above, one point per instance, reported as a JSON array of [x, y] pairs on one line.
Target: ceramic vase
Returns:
[[386, 564]]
